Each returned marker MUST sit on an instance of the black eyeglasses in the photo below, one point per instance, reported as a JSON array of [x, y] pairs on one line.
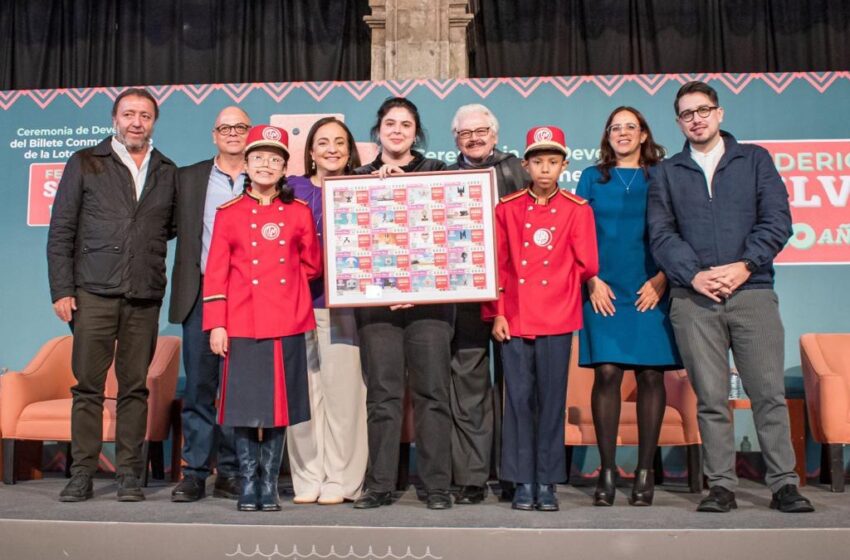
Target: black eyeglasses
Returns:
[[226, 129], [628, 127], [704, 111], [478, 132]]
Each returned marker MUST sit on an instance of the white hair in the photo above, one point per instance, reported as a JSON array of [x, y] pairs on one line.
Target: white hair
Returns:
[[474, 108]]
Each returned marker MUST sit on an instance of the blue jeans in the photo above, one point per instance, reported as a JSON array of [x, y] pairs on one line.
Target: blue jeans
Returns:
[[203, 439]]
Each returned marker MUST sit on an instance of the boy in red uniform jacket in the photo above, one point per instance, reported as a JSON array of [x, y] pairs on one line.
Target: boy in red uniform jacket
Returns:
[[546, 247]]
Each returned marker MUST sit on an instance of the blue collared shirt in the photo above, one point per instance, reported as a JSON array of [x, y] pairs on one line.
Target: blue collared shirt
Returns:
[[220, 189]]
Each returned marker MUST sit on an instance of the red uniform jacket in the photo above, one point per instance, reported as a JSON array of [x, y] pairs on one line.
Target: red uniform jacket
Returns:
[[546, 250], [261, 259]]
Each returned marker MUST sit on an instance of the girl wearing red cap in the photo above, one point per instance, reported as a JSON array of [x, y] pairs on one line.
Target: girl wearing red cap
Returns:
[[257, 306]]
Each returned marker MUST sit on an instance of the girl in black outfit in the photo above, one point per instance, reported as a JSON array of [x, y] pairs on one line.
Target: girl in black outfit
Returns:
[[405, 339]]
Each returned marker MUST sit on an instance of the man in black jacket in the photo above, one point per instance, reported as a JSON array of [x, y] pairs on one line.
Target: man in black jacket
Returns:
[[203, 187], [106, 247], [476, 133]]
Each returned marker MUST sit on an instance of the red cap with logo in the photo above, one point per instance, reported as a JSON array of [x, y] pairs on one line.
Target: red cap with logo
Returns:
[[267, 136], [545, 138]]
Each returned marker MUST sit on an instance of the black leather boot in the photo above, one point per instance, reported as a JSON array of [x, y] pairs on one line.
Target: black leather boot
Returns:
[[523, 496], [271, 456], [605, 488], [247, 453], [547, 500], [644, 489]]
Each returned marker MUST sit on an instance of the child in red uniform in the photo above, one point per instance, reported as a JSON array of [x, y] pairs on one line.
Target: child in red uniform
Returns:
[[257, 305], [546, 247]]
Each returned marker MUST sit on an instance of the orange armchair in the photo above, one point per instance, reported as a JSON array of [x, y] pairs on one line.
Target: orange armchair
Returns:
[[825, 359], [679, 426], [35, 403]]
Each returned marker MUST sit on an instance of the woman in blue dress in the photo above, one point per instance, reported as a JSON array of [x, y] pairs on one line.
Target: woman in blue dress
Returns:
[[625, 309]]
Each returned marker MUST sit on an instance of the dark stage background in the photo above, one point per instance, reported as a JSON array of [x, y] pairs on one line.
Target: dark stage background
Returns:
[[573, 37], [88, 43]]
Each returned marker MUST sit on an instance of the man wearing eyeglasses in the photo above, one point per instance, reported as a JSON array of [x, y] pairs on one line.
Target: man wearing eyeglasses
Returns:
[[204, 187], [476, 133], [718, 215]]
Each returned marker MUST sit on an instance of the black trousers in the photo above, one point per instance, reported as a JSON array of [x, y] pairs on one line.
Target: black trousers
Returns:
[[471, 398], [98, 324], [416, 341]]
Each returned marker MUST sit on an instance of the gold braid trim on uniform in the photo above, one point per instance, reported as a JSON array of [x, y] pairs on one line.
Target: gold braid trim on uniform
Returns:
[[304, 202], [512, 196], [570, 196], [216, 297], [230, 202]]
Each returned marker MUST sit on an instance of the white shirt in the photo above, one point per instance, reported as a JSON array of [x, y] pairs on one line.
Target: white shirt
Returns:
[[139, 173], [708, 161]]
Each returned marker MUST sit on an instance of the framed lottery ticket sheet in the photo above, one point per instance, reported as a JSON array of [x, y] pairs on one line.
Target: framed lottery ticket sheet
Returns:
[[412, 238]]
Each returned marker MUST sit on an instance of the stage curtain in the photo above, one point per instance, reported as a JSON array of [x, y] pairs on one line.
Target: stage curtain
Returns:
[[577, 37], [85, 43]]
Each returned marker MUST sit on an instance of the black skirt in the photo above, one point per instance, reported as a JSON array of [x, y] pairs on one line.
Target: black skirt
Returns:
[[264, 383]]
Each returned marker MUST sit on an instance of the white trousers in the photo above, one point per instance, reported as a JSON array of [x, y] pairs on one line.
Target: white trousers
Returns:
[[328, 454]]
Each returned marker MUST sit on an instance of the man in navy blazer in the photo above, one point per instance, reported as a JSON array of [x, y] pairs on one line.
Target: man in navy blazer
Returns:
[[718, 215], [203, 187]]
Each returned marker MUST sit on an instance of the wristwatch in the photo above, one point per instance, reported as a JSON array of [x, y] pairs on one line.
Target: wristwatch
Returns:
[[751, 266]]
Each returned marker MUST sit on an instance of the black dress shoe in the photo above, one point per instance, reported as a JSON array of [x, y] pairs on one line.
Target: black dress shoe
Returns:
[[644, 489], [78, 489], [547, 500], [228, 487], [439, 499], [190, 489], [506, 491], [605, 488], [523, 497], [372, 499], [470, 495], [719, 500], [129, 488], [789, 500]]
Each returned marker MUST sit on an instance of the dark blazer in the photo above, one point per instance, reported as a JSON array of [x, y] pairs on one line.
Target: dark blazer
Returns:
[[747, 216], [510, 174], [186, 276], [101, 239]]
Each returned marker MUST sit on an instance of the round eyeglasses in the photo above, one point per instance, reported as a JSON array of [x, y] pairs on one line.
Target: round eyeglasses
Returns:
[[703, 111]]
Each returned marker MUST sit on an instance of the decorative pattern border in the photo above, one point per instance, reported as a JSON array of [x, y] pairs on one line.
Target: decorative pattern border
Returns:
[[567, 85]]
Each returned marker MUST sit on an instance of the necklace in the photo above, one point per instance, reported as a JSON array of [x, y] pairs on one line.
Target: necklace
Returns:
[[620, 177]]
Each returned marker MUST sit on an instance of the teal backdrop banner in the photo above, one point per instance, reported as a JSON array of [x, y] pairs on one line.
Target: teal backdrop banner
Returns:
[[800, 117]]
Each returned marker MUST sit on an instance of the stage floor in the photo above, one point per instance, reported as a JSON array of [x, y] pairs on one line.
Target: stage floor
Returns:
[[34, 524]]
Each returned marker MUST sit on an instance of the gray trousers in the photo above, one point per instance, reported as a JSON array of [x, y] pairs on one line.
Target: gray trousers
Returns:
[[748, 323], [471, 397]]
